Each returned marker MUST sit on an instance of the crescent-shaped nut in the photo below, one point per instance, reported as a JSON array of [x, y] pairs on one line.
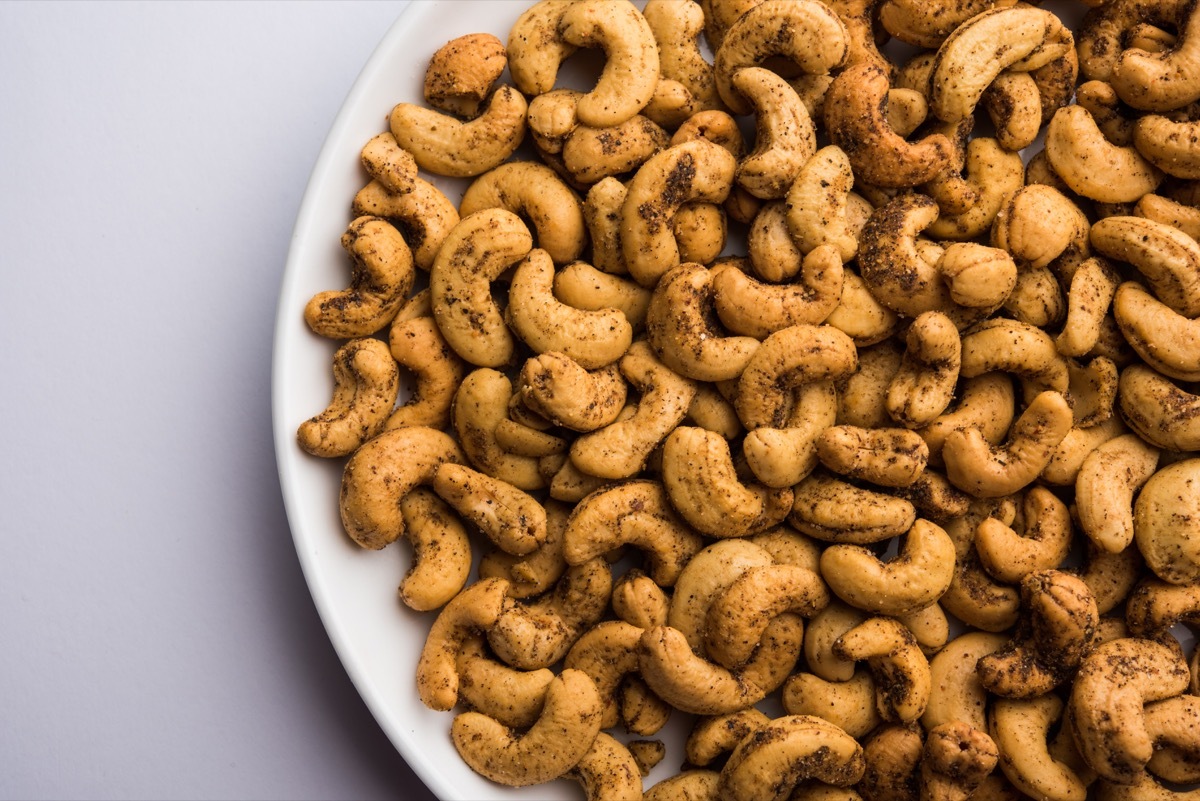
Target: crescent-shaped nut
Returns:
[[1172, 212], [366, 384], [583, 286], [636, 513], [563, 734], [1166, 526], [631, 68], [639, 601], [772, 254], [485, 685], [767, 765], [1162, 413], [856, 108], [388, 163], [822, 632], [781, 456], [688, 785], [676, 28], [785, 137], [417, 345], [739, 615], [1020, 729], [476, 252], [469, 613], [789, 358], [893, 756], [702, 483], [535, 49], [535, 572], [678, 327], [532, 191], [977, 468], [902, 679], [1013, 103], [956, 760], [381, 472], [1107, 481], [1155, 606], [924, 23], [860, 315], [807, 32], [994, 174], [381, 277], [1056, 631], [1162, 81], [559, 389], [445, 145], [593, 339], [924, 385], [918, 576], [480, 405], [513, 520], [1020, 38], [1166, 340], [1169, 144], [889, 457], [1015, 347], [957, 694], [620, 449], [695, 170], [978, 276], [1039, 225], [818, 203], [1167, 258], [461, 73], [1044, 541], [1089, 298], [1091, 165], [441, 561], [757, 309], [610, 770], [849, 705], [423, 214], [1107, 702], [986, 403], [715, 735], [837, 511], [706, 575], [1174, 724], [592, 154]]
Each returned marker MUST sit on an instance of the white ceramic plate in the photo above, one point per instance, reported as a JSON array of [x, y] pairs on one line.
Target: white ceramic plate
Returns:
[[377, 638]]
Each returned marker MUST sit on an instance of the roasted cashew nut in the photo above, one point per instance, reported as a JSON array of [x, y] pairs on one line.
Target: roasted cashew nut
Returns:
[[445, 145], [1162, 413], [818, 203], [513, 520], [1167, 258], [1166, 340], [462, 71], [958, 694], [441, 547], [849, 705], [1020, 729], [536, 572], [422, 214], [1165, 534], [767, 764], [472, 611], [631, 67], [833, 510], [366, 384], [559, 389], [609, 769], [785, 137], [887, 456], [757, 309], [1107, 481], [901, 671], [738, 617], [924, 385], [1044, 541], [1091, 165], [480, 406], [511, 696], [956, 760]]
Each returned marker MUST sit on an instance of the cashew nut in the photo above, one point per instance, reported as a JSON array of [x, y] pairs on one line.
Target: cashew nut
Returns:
[[445, 145], [366, 383]]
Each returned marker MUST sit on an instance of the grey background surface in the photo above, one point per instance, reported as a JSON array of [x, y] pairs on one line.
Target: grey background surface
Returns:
[[158, 639]]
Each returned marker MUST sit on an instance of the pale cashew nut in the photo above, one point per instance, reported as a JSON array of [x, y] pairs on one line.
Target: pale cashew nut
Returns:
[[753, 308], [890, 457], [620, 449], [690, 171], [1014, 105], [1162, 413], [771, 251], [1167, 258], [1091, 165], [704, 578], [977, 468], [380, 279], [785, 137], [513, 520], [1166, 340], [710, 410], [593, 339], [631, 69], [860, 315], [563, 734], [1044, 541], [592, 154], [924, 385], [1162, 81], [676, 28], [957, 694], [818, 203], [767, 765], [584, 287], [833, 510], [532, 191], [1041, 226], [1169, 144], [1169, 211], [701, 231], [636, 513], [610, 770], [863, 395], [1165, 523], [1020, 729], [423, 214], [366, 384], [1108, 479], [1015, 347], [688, 785], [441, 547], [381, 472], [849, 705], [1113, 685], [902, 679], [1089, 297], [702, 483], [918, 576], [472, 611], [445, 145], [511, 696], [389, 164], [1056, 631], [480, 405], [535, 49]]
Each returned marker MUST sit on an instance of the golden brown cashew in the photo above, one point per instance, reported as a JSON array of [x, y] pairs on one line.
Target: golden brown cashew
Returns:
[[1014, 105], [472, 611], [1089, 297], [1169, 144], [559, 389], [535, 49], [563, 734], [480, 405], [916, 578], [602, 215], [994, 174], [380, 279], [620, 449], [901, 671], [956, 760], [890, 457], [1162, 81], [701, 481], [849, 705], [610, 770], [1063, 467], [381, 472], [461, 73], [893, 755], [593, 339], [606, 653], [739, 615], [417, 345], [818, 203], [822, 632], [551, 119], [535, 572], [592, 154], [696, 170], [678, 326], [1155, 606], [1113, 685], [975, 467], [1160, 412], [706, 575], [710, 410], [1169, 211], [1166, 535], [1110, 576], [806, 32], [856, 118], [714, 735], [1056, 631], [676, 28], [639, 601], [513, 697], [788, 358], [1166, 341], [583, 286], [784, 134], [366, 383], [388, 163], [636, 513], [476, 252], [1020, 729], [925, 383], [532, 191], [688, 785], [1091, 165], [1174, 724], [860, 315], [445, 145], [423, 214], [985, 403], [441, 562], [833, 510], [753, 308], [1040, 226], [1167, 258], [1015, 347], [513, 520], [862, 396], [631, 68], [1044, 541], [772, 254], [1107, 481], [770, 762], [957, 693]]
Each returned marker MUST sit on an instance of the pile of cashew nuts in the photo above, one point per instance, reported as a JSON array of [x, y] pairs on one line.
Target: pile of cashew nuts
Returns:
[[772, 372]]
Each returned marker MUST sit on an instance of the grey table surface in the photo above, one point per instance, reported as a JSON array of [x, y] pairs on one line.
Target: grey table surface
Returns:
[[158, 638]]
